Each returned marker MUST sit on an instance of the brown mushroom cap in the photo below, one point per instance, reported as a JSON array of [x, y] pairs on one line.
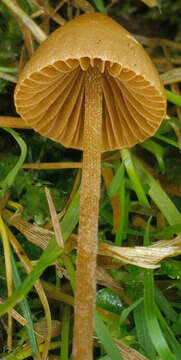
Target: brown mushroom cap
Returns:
[[50, 92]]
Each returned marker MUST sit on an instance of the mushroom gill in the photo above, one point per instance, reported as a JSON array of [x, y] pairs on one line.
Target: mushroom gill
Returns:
[[52, 101]]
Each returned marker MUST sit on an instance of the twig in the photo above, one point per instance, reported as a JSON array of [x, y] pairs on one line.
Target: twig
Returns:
[[55, 220], [8, 77], [39, 35]]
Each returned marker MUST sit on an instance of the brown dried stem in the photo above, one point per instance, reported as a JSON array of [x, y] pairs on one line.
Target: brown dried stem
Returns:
[[39, 35], [88, 224], [13, 122]]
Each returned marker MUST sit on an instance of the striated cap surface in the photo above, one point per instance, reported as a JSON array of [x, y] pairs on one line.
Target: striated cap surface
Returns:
[[49, 95]]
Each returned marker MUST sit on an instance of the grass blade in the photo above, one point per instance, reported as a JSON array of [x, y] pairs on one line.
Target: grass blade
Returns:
[[106, 338], [25, 309], [9, 180], [128, 162], [157, 150], [173, 98], [71, 217], [164, 203], [142, 332], [100, 6], [153, 326], [169, 335], [118, 177], [159, 196], [65, 332], [48, 257], [164, 305], [127, 311], [154, 329], [51, 253], [120, 230]]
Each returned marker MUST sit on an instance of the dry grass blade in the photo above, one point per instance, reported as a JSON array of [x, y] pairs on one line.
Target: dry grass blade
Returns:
[[9, 275], [41, 330], [28, 39], [162, 60], [47, 9], [151, 3], [53, 293], [84, 5], [37, 32], [33, 233], [38, 286], [105, 279], [8, 77], [4, 200], [21, 320], [53, 166], [177, 132], [139, 222], [128, 352], [158, 42], [26, 33], [48, 226], [40, 327], [172, 76], [174, 244], [13, 122], [146, 257], [54, 11], [37, 13], [26, 352], [55, 220], [174, 86]]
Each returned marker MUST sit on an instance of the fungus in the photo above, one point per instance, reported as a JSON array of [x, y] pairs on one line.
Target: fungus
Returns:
[[90, 86]]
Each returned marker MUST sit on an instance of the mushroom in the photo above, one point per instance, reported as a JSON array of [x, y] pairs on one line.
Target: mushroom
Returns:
[[90, 86]]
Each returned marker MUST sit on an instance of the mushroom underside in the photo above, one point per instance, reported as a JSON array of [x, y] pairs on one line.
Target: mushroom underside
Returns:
[[53, 100]]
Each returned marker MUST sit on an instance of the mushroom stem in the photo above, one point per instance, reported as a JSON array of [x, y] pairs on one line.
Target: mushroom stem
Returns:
[[88, 223]]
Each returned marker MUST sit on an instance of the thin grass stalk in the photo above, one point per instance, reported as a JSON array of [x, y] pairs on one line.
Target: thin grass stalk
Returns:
[[8, 77], [38, 286], [38, 33], [48, 226], [26, 352], [25, 32], [13, 122], [16, 316], [9, 70], [25, 309], [66, 315], [53, 166], [54, 217], [129, 165], [115, 200], [9, 278], [174, 87]]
